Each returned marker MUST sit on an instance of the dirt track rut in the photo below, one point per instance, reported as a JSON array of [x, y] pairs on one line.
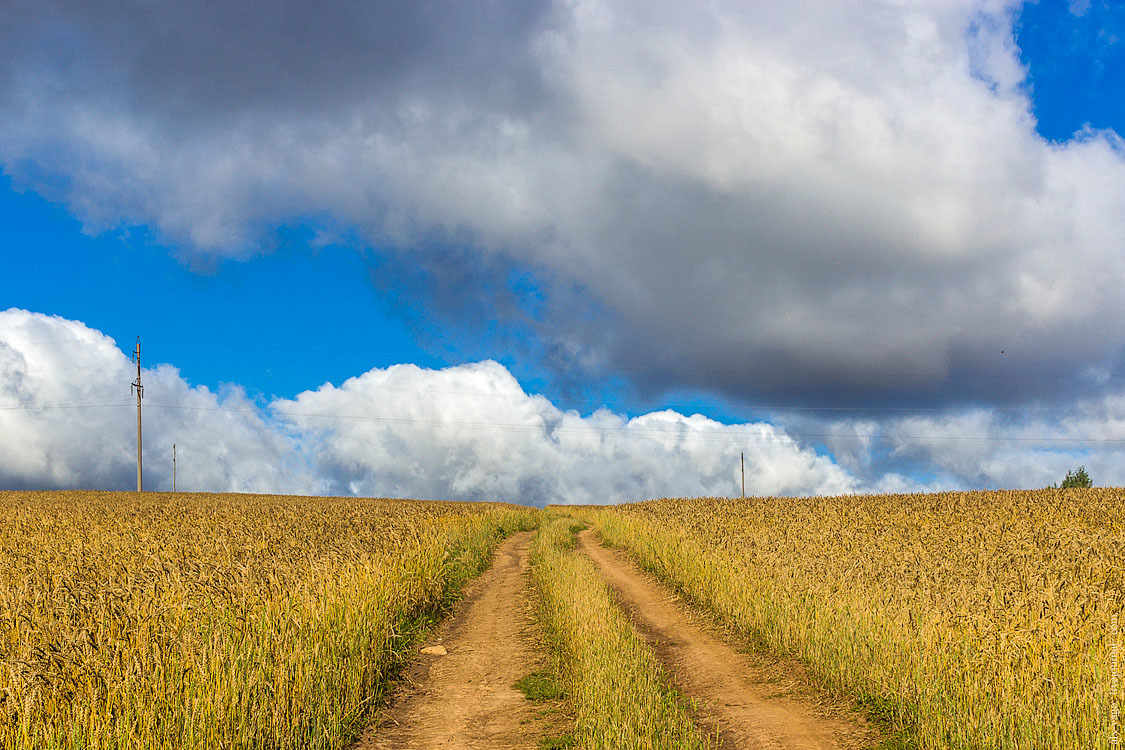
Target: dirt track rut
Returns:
[[747, 704], [466, 698]]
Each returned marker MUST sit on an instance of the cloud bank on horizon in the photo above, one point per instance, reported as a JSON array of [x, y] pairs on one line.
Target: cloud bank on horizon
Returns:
[[468, 432]]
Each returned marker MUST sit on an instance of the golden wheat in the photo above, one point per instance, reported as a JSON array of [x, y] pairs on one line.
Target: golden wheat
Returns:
[[203, 621], [981, 619]]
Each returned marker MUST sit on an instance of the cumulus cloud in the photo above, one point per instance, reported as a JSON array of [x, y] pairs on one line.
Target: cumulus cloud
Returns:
[[839, 202], [984, 447], [472, 432], [67, 419], [468, 432], [1025, 447]]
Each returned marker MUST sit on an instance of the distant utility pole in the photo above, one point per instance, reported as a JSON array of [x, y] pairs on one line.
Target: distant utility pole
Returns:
[[140, 391], [173, 467], [742, 460]]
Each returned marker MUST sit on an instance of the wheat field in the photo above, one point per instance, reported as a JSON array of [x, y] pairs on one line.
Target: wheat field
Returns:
[[965, 620], [206, 621]]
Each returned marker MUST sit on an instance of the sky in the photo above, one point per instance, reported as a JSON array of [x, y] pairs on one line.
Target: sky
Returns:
[[562, 251]]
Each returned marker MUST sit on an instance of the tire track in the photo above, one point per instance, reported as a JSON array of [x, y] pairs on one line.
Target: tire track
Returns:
[[744, 703], [466, 698]]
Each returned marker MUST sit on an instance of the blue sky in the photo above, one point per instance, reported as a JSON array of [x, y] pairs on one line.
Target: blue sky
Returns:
[[567, 198], [277, 324], [1075, 65]]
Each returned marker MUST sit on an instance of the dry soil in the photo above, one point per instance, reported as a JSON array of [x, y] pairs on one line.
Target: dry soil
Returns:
[[466, 698]]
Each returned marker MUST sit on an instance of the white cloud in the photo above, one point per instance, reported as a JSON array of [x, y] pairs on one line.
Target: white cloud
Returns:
[[1078, 7], [983, 447], [978, 447], [67, 419], [471, 432], [467, 432]]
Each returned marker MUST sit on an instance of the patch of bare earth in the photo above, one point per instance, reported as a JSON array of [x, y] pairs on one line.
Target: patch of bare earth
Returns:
[[749, 702], [465, 698]]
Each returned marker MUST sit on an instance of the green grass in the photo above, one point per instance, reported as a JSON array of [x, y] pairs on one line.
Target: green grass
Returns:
[[562, 742], [540, 686]]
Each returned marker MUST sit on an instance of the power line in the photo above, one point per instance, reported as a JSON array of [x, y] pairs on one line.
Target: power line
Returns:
[[661, 405], [686, 404], [62, 369], [63, 405], [62, 341], [774, 372], [680, 429]]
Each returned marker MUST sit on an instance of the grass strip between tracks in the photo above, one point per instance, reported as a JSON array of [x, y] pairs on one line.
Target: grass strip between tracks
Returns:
[[620, 692]]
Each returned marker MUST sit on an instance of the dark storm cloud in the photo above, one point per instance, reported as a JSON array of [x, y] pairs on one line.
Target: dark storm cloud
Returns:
[[827, 204], [211, 59]]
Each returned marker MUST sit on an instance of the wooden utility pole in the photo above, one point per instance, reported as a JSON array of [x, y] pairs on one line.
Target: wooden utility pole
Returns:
[[173, 467], [742, 460], [140, 391]]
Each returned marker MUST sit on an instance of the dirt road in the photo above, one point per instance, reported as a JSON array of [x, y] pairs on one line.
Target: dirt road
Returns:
[[749, 704], [465, 699]]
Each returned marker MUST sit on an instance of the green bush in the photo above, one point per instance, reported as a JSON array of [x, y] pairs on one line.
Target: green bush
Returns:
[[1078, 478]]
